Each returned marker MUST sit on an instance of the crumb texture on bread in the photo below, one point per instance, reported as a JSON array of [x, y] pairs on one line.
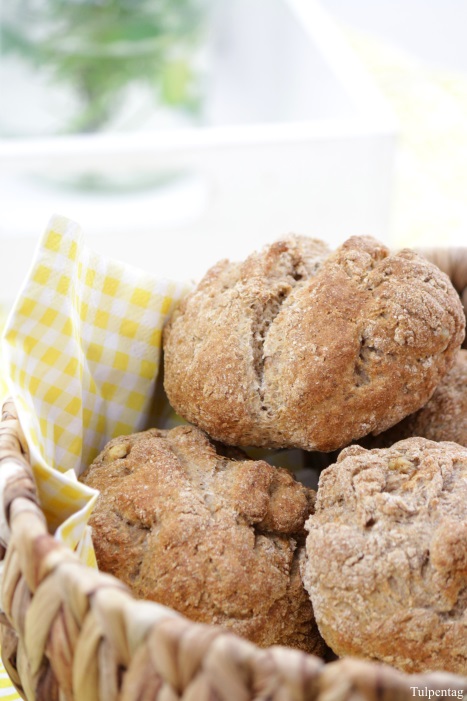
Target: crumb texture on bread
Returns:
[[204, 530], [301, 347], [386, 564], [443, 418]]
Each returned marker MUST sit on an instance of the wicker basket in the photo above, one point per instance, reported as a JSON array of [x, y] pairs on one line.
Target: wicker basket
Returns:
[[70, 633]]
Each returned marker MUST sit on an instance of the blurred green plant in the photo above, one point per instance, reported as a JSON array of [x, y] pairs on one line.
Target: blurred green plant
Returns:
[[100, 47]]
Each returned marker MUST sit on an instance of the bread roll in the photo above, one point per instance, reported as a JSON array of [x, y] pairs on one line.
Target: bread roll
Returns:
[[207, 532], [386, 564], [301, 347]]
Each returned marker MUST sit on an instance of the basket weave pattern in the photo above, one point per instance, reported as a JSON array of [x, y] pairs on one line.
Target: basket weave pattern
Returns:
[[70, 633]]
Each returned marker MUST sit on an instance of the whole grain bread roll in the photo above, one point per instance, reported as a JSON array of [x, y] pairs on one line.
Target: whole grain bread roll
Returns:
[[207, 532], [301, 347], [386, 563], [443, 418]]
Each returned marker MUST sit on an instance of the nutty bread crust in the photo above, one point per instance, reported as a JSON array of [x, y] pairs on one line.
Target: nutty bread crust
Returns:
[[386, 563], [444, 418], [211, 534], [297, 347]]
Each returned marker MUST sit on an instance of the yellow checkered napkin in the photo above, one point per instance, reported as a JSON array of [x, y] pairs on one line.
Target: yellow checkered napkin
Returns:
[[81, 353]]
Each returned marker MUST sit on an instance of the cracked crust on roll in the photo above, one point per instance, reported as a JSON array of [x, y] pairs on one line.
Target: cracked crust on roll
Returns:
[[386, 564], [204, 530], [444, 418], [300, 347]]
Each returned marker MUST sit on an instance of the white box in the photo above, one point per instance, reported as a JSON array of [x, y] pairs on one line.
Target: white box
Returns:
[[297, 138]]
